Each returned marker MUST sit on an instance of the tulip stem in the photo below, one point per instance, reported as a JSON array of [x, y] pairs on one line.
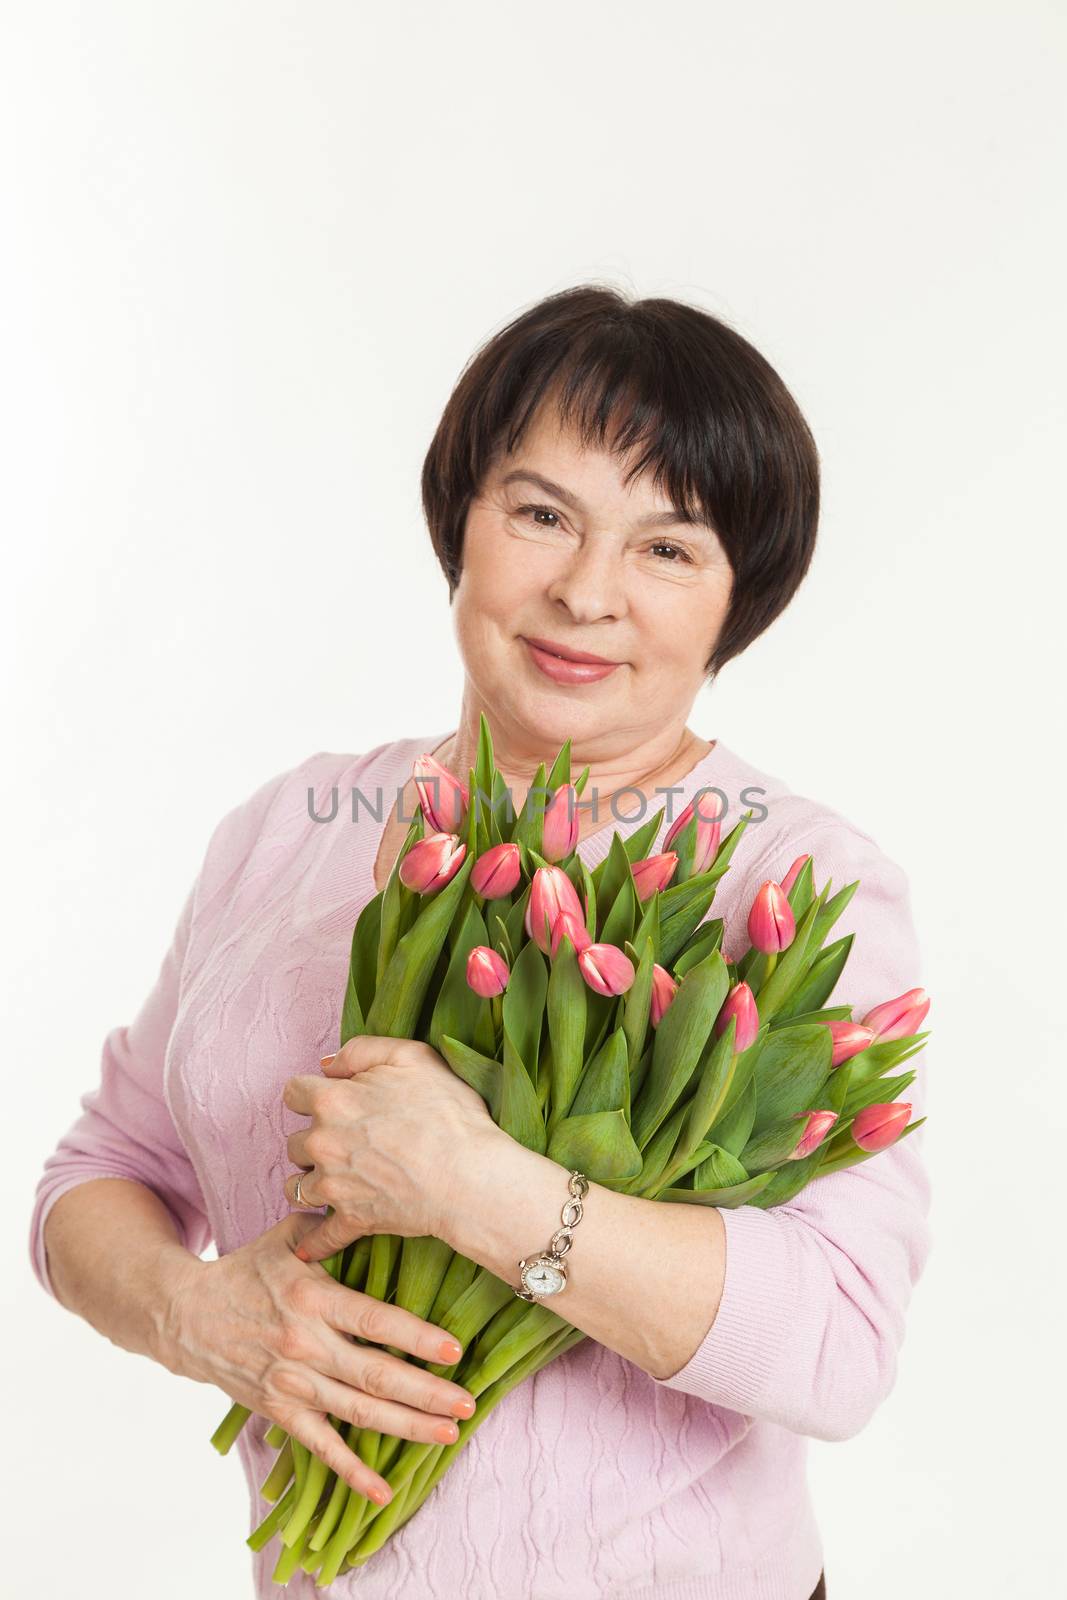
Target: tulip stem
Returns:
[[230, 1427], [266, 1530], [280, 1474]]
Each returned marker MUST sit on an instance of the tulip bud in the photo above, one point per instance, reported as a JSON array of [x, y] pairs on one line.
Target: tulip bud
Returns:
[[814, 1133], [664, 989], [560, 831], [739, 1003], [894, 1019], [849, 1039], [794, 873], [875, 1127], [653, 872], [606, 969], [442, 797], [707, 830], [496, 871], [487, 972], [574, 928], [432, 862], [551, 892], [771, 925]]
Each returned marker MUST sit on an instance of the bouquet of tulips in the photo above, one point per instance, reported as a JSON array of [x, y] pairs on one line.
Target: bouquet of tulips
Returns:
[[604, 1026]]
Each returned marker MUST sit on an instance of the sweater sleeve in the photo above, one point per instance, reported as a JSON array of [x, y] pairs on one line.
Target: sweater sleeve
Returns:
[[812, 1315], [125, 1129]]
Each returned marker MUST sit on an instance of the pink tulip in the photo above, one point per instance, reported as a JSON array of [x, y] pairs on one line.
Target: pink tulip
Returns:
[[653, 872], [794, 873], [664, 989], [432, 863], [894, 1019], [739, 1003], [496, 871], [875, 1127], [550, 893], [442, 797], [575, 930], [771, 925], [560, 832], [707, 832], [849, 1039], [487, 972], [606, 969], [814, 1133]]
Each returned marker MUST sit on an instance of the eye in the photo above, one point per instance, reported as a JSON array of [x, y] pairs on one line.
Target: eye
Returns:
[[545, 510], [534, 512], [665, 544]]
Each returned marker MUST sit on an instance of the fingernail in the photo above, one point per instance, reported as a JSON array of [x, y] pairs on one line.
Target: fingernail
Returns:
[[450, 1351], [324, 1061], [447, 1433], [464, 1407], [381, 1497], [302, 1253]]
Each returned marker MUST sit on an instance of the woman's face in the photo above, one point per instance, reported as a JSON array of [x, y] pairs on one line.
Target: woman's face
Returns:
[[558, 548]]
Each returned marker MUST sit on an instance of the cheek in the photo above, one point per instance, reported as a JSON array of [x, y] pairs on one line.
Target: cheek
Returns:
[[685, 620]]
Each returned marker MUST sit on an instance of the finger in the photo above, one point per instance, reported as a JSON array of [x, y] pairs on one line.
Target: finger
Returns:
[[346, 1063], [378, 1373], [300, 1093], [323, 1440], [355, 1312], [307, 1200], [296, 1146], [384, 1416], [367, 1050], [331, 1235]]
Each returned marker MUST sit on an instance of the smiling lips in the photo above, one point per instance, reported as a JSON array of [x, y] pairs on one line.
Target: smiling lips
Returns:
[[569, 669]]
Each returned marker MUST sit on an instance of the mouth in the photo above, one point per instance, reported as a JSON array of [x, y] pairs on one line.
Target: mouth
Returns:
[[569, 669], [562, 653]]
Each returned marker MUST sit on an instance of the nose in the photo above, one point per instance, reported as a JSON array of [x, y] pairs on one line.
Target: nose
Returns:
[[590, 582]]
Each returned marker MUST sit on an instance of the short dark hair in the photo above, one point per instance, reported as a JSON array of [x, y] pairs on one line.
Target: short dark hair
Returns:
[[717, 424]]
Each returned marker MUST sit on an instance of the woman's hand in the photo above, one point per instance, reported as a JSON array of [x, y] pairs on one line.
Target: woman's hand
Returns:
[[273, 1334], [390, 1121]]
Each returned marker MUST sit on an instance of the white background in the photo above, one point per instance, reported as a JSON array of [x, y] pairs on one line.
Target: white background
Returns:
[[247, 250]]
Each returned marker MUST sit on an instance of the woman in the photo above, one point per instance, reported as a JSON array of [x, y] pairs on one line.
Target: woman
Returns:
[[628, 484]]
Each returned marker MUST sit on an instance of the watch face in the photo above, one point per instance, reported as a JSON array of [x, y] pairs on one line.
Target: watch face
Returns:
[[541, 1277]]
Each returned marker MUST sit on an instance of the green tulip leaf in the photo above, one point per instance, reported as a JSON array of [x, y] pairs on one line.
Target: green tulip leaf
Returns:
[[482, 1073], [524, 1004], [566, 1025], [598, 1144], [719, 1170], [773, 1146], [458, 1009], [738, 1194], [819, 982], [793, 1066], [605, 1084], [680, 1038], [520, 1112], [400, 993]]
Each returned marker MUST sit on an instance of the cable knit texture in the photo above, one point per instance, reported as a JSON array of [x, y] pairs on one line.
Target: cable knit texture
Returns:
[[592, 1479]]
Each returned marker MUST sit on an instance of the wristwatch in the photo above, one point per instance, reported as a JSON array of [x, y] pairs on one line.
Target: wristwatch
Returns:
[[546, 1274]]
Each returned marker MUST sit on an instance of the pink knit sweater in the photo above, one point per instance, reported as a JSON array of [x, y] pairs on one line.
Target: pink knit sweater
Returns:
[[591, 1479]]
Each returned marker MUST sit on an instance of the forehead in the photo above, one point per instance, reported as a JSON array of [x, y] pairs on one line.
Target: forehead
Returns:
[[552, 451]]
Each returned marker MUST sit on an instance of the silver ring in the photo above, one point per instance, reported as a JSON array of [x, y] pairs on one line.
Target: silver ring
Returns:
[[296, 1192]]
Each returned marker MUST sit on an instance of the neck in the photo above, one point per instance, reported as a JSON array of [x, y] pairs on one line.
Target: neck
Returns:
[[622, 761]]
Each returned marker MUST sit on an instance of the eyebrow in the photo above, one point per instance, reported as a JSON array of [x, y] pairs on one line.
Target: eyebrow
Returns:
[[655, 519]]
